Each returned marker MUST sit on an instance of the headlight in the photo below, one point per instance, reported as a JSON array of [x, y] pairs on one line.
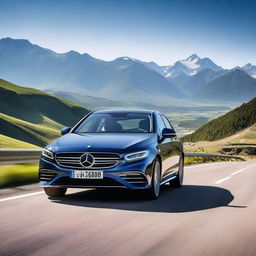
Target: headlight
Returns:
[[47, 153], [136, 156]]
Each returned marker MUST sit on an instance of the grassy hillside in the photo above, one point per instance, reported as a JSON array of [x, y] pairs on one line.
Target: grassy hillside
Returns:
[[242, 143], [8, 142], [226, 125], [34, 116]]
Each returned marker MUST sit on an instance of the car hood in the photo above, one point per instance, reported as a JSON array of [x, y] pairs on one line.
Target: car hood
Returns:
[[117, 143]]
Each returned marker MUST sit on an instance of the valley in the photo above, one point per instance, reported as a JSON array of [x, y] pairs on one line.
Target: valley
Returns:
[[193, 93]]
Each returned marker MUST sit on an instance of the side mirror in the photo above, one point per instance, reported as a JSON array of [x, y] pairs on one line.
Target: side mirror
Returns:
[[65, 130], [168, 133]]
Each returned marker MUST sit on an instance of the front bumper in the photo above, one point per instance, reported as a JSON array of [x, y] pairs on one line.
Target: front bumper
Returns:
[[134, 175]]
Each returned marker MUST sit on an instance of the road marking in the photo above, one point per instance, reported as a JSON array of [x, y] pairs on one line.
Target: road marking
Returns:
[[21, 196], [234, 173], [241, 170], [221, 180]]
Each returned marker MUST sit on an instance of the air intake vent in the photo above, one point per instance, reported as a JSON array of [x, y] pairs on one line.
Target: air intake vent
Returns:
[[136, 179], [100, 160], [46, 175]]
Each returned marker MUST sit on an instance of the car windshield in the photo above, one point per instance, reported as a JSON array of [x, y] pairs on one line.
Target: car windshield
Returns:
[[115, 123]]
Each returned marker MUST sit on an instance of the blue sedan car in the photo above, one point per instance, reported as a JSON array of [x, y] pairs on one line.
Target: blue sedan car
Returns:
[[134, 149]]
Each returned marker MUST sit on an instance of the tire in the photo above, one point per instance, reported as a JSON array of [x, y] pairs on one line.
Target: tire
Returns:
[[55, 192], [178, 181], [154, 190]]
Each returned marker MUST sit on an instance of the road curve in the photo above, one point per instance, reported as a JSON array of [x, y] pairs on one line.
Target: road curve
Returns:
[[214, 213]]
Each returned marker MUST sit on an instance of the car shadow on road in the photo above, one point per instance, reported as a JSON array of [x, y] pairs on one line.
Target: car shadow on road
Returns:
[[186, 199]]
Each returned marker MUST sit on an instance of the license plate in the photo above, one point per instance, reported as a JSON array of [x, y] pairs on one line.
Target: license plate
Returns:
[[87, 174]]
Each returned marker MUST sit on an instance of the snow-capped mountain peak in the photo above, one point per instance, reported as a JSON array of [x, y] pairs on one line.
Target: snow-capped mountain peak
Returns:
[[249, 69], [190, 66], [193, 58]]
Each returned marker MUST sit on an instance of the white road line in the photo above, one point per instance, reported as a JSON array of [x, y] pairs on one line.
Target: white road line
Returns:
[[234, 173], [241, 170], [221, 180], [21, 196]]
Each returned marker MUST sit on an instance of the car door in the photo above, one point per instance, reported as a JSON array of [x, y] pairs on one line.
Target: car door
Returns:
[[169, 148]]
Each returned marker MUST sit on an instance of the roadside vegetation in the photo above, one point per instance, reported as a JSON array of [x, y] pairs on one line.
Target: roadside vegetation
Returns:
[[8, 142], [202, 160], [20, 174], [226, 125], [242, 143]]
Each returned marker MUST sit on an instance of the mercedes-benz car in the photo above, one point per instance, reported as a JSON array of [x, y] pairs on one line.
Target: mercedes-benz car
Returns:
[[134, 149]]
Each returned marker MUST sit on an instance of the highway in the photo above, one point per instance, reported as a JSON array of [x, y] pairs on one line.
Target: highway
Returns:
[[214, 213]]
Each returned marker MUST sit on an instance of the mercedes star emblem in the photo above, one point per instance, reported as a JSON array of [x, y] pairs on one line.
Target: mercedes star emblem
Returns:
[[87, 160]]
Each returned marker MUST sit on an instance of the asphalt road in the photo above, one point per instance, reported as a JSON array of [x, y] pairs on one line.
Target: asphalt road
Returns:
[[214, 213]]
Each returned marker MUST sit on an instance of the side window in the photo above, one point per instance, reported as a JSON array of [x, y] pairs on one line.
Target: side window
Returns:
[[167, 123], [160, 124]]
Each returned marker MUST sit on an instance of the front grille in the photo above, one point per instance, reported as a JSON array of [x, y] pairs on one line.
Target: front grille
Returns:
[[105, 182], [136, 179], [101, 160], [46, 175]]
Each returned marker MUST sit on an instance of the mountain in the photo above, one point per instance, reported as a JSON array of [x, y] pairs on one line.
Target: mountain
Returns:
[[121, 79], [186, 67], [234, 121], [152, 65], [190, 66], [189, 75], [191, 84], [249, 69], [34, 116], [235, 86], [124, 79]]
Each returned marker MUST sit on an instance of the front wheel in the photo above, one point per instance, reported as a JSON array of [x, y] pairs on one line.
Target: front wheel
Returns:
[[55, 192], [153, 191], [178, 181]]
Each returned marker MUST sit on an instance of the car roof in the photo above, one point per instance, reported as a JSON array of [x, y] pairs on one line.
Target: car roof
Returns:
[[139, 111]]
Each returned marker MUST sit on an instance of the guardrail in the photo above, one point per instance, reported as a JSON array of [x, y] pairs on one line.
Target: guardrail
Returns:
[[19, 156]]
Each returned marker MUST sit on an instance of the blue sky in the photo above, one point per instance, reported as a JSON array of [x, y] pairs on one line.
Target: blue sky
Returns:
[[157, 30]]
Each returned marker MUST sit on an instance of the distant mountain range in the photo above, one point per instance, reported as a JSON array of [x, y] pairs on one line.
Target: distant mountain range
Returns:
[[235, 85], [192, 66], [124, 79]]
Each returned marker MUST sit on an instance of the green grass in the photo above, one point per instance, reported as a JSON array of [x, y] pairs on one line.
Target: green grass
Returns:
[[34, 116], [8, 142], [13, 175], [39, 134], [224, 126], [202, 160]]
